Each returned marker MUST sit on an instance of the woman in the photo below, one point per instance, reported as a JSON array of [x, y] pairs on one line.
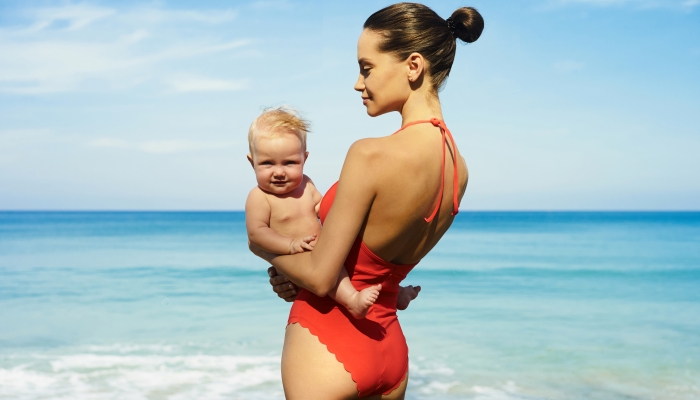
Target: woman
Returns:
[[387, 212]]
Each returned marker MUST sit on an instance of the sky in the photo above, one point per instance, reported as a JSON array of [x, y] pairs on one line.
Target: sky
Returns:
[[560, 105]]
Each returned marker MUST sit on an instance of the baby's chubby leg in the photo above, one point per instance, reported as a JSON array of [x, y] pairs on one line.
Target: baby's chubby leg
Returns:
[[358, 303]]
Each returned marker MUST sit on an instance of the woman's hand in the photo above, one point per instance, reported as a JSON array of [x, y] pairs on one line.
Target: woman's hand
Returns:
[[285, 289]]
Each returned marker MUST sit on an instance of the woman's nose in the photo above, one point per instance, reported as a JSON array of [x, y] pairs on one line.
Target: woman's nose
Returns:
[[360, 84]]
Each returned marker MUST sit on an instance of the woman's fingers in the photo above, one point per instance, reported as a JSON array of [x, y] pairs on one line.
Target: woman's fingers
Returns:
[[280, 284], [283, 287], [279, 280], [271, 272], [288, 296]]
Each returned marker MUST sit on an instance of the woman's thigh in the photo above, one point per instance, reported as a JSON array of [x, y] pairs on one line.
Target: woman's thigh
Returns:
[[310, 371], [398, 393]]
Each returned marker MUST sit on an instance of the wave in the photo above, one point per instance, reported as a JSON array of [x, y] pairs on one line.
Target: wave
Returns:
[[155, 372], [125, 374]]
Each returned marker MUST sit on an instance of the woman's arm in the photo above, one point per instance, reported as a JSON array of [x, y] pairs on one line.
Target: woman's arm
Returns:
[[318, 270]]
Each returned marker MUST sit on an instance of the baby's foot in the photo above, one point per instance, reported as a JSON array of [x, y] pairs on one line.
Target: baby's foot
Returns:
[[361, 301], [406, 294]]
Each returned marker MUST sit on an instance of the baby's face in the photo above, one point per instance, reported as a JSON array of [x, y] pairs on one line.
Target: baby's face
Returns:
[[278, 163]]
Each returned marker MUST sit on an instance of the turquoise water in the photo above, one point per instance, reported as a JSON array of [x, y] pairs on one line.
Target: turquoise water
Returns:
[[514, 306]]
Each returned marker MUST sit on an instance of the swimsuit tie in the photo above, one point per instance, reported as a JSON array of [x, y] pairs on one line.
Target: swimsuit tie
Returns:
[[445, 136]]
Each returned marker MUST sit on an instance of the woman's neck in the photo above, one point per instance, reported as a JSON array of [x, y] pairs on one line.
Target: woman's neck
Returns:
[[421, 105]]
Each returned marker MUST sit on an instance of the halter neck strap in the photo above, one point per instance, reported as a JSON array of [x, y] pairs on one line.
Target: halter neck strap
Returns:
[[445, 136]]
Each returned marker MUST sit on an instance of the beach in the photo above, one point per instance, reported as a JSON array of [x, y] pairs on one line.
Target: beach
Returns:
[[515, 305]]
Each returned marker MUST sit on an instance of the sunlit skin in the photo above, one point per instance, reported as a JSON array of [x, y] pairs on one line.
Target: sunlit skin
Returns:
[[281, 212], [278, 162], [387, 187], [387, 84]]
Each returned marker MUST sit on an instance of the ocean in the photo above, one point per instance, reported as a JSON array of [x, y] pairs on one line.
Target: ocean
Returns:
[[515, 305]]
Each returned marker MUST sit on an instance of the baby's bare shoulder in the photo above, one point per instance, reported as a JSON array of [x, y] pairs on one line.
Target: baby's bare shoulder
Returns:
[[256, 193], [257, 198]]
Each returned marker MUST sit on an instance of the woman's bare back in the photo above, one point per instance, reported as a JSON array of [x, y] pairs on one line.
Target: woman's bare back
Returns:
[[395, 228]]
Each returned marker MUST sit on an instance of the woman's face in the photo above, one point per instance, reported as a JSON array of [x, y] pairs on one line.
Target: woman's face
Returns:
[[383, 79]]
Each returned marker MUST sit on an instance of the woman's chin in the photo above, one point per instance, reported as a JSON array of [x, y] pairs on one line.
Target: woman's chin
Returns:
[[375, 113]]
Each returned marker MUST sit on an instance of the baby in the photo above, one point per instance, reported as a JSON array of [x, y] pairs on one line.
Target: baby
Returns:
[[281, 213]]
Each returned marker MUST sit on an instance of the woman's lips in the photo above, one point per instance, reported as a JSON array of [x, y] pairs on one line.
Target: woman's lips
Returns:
[[365, 100]]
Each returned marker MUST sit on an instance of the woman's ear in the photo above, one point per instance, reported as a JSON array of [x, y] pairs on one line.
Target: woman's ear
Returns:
[[416, 66]]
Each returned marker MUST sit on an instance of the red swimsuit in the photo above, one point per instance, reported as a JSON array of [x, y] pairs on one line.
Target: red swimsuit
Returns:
[[373, 349]]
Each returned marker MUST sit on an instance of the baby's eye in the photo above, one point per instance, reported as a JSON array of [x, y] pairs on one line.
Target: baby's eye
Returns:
[[291, 163], [266, 163]]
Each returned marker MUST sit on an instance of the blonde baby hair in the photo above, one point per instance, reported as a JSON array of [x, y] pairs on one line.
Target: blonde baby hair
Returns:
[[277, 121]]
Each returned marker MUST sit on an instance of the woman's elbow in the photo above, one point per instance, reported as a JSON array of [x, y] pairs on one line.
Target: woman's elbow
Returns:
[[320, 289]]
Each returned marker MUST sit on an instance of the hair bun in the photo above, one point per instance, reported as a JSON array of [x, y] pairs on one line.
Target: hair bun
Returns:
[[468, 24]]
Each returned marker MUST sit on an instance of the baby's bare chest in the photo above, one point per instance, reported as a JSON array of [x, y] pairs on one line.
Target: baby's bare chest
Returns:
[[293, 217]]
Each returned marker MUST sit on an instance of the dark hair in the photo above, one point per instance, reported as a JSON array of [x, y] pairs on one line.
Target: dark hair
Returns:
[[414, 28]]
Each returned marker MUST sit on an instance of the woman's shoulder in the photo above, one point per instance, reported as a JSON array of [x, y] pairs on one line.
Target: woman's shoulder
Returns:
[[364, 150], [373, 148]]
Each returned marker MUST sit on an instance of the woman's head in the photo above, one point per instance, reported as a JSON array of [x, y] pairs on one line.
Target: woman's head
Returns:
[[412, 33]]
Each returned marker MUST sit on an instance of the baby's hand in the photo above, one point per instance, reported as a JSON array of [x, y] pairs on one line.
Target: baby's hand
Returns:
[[299, 245]]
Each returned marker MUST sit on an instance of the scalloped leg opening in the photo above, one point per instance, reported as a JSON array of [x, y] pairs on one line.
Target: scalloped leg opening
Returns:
[[322, 373], [391, 391]]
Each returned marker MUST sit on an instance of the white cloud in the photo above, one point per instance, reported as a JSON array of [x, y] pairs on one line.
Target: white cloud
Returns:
[[682, 4], [159, 15], [108, 142], [135, 36], [103, 56], [568, 66], [179, 146], [23, 137], [69, 17], [193, 84], [162, 146]]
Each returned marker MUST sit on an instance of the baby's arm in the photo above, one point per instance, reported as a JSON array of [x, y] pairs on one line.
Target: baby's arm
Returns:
[[257, 223], [317, 198]]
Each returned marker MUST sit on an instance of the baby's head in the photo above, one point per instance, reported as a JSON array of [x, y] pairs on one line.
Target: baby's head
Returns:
[[277, 142]]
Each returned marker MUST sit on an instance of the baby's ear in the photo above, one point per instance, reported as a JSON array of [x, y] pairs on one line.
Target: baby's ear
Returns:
[[250, 160], [306, 155]]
